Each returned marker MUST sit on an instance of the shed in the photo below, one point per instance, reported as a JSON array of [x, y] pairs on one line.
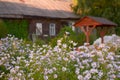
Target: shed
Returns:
[[88, 23]]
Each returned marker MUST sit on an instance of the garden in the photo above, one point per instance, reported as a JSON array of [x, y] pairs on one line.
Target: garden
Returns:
[[20, 60], [64, 57]]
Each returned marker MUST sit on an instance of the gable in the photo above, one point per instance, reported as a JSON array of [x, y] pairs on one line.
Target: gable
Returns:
[[86, 22], [96, 21]]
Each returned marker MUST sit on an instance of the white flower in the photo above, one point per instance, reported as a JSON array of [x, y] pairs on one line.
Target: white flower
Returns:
[[77, 71], [80, 77], [67, 33], [85, 72], [64, 69], [109, 66], [58, 41], [110, 57], [19, 74], [87, 76], [100, 74], [45, 45], [12, 71], [94, 64], [71, 41], [93, 71], [54, 68], [86, 44], [72, 56], [27, 64], [59, 58], [45, 77], [84, 61], [31, 55], [113, 76], [59, 44], [2, 58], [64, 45], [1, 75], [18, 58], [50, 71], [45, 71], [17, 68], [74, 44], [66, 59], [11, 78], [55, 76], [82, 67]]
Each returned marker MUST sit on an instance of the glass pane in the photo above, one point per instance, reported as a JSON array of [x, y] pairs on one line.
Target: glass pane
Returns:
[[38, 28], [52, 29]]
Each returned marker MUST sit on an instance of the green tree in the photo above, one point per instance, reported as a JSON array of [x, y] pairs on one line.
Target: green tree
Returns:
[[109, 9]]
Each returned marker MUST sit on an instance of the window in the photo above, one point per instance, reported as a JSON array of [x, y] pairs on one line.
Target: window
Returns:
[[38, 28], [52, 29], [71, 23]]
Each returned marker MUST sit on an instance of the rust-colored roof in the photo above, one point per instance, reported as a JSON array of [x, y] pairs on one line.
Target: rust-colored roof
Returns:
[[36, 8], [96, 21]]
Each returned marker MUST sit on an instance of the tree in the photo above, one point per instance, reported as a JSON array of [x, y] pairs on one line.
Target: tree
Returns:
[[109, 9]]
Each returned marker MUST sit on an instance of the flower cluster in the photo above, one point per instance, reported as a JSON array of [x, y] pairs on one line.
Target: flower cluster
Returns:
[[95, 63], [22, 61]]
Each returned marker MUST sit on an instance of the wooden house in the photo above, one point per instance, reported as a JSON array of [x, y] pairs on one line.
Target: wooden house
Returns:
[[46, 17]]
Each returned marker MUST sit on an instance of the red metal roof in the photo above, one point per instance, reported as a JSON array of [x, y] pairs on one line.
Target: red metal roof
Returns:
[[97, 21], [38, 8]]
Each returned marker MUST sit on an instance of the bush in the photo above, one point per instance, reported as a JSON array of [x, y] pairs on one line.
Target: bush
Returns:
[[118, 31], [19, 28], [3, 29], [72, 35]]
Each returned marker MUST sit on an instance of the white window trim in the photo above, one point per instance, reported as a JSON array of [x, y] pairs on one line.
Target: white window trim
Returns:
[[71, 23], [52, 29], [38, 28]]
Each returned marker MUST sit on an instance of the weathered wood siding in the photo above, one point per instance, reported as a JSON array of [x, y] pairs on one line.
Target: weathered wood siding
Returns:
[[45, 26]]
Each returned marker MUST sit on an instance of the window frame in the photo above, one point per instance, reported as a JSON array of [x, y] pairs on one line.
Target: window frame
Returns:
[[52, 29], [39, 28], [71, 24]]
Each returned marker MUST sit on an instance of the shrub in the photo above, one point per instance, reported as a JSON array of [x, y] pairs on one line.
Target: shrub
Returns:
[[3, 29], [72, 35], [19, 28], [118, 31]]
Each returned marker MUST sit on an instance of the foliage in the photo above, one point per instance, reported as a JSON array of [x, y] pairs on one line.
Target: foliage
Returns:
[[39, 41], [68, 33], [103, 8], [3, 29], [19, 28], [20, 61]]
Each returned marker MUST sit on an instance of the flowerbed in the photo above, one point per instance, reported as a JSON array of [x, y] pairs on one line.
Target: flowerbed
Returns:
[[21, 61]]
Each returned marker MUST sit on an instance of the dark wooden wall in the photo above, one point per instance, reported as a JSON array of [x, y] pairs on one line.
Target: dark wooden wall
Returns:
[[45, 26]]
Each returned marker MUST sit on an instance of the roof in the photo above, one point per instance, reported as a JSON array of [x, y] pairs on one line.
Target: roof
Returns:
[[97, 21], [36, 8]]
